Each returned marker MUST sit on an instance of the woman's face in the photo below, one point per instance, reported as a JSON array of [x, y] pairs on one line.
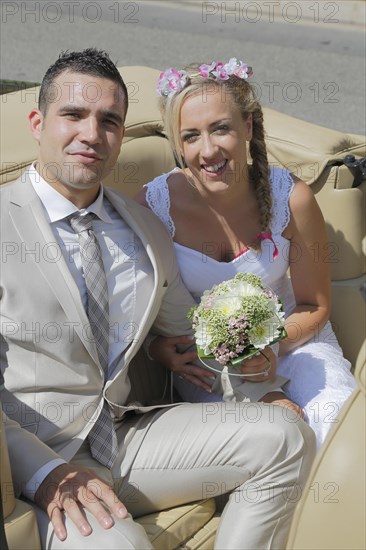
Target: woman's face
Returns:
[[213, 139]]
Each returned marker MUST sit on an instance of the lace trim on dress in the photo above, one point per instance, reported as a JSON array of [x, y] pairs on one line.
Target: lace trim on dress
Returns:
[[158, 200], [282, 185]]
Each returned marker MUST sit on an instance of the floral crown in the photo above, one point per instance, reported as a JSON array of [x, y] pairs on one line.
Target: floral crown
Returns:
[[172, 81]]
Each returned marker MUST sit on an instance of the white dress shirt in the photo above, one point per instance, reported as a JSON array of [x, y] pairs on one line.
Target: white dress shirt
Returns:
[[126, 264]]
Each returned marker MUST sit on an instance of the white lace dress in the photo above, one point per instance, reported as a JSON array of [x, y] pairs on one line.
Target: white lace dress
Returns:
[[320, 378]]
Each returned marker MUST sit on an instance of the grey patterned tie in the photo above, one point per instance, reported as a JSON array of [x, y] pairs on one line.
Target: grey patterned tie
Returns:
[[102, 437]]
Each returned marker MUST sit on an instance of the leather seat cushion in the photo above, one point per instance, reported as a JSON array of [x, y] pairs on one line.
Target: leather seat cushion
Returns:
[[170, 528], [21, 528]]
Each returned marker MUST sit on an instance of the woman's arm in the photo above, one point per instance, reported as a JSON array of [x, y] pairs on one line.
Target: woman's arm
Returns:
[[309, 268], [140, 197]]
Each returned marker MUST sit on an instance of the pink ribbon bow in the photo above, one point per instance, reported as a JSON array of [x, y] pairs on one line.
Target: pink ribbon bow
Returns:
[[267, 235]]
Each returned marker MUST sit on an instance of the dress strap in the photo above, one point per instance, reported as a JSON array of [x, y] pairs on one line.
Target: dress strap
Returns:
[[282, 185]]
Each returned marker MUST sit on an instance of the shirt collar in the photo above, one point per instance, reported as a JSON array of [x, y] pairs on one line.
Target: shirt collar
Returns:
[[59, 207]]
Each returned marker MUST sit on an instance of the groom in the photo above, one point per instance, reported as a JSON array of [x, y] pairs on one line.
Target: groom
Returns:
[[86, 273]]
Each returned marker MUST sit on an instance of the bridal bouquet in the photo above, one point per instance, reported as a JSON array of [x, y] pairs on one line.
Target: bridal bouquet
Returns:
[[236, 319]]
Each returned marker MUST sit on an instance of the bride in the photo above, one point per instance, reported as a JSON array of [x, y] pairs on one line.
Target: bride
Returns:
[[227, 216]]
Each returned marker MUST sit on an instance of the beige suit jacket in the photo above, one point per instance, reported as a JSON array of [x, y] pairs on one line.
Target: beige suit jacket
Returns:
[[53, 378]]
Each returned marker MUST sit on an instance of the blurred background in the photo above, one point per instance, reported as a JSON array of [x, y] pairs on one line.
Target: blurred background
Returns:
[[308, 56]]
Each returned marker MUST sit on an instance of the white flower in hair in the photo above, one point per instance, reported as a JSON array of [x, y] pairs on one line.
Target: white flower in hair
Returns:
[[238, 68]]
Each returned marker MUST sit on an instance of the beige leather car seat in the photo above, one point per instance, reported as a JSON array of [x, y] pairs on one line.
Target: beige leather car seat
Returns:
[[20, 520], [331, 515]]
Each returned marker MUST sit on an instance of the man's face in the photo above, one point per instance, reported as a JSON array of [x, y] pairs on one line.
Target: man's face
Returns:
[[81, 133]]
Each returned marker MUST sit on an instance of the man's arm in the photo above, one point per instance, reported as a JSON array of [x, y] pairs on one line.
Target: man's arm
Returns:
[[65, 489], [27, 453]]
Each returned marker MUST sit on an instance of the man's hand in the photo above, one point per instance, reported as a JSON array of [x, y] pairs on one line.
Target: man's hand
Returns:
[[69, 489], [164, 351]]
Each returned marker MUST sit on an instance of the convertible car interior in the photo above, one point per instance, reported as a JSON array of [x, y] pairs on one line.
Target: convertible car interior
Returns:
[[331, 511]]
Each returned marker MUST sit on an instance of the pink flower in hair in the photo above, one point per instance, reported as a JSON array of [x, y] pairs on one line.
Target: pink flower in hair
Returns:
[[220, 72], [171, 81], [205, 70]]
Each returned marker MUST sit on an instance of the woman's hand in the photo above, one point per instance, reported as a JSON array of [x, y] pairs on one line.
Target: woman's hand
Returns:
[[280, 399], [164, 351], [264, 362]]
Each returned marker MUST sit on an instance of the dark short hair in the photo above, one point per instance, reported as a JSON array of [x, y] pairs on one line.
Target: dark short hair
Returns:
[[90, 61]]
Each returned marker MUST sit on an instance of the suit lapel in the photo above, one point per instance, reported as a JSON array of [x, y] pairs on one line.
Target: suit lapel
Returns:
[[35, 232]]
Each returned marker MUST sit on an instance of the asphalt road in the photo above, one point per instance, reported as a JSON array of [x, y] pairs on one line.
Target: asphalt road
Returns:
[[306, 62]]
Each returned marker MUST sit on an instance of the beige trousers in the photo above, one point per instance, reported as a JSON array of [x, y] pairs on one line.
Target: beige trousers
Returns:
[[260, 454]]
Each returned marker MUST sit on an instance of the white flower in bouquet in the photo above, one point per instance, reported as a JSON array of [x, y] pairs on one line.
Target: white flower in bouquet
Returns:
[[203, 339], [265, 333], [237, 318], [227, 304]]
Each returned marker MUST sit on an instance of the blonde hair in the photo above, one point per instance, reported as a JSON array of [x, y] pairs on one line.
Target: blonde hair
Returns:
[[244, 97]]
